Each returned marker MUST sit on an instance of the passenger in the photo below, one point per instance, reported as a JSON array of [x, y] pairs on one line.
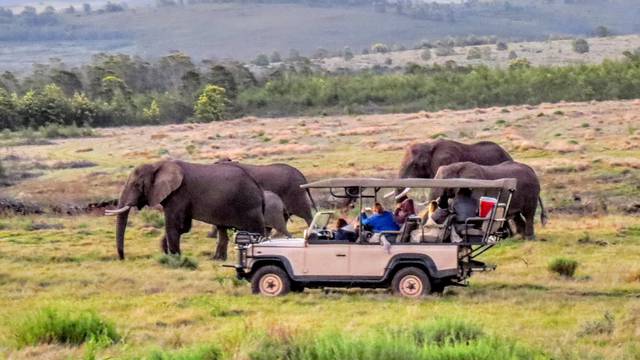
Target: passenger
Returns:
[[404, 209], [463, 207], [344, 231], [381, 220]]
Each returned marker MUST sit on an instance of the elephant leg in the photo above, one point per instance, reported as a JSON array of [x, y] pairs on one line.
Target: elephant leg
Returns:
[[223, 241], [520, 224], [163, 244], [213, 233], [529, 231], [176, 223]]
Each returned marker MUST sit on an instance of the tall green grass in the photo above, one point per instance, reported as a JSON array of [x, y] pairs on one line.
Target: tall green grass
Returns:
[[443, 339], [50, 325]]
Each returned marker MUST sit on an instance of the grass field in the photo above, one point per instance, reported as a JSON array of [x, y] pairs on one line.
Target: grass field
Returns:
[[586, 155]]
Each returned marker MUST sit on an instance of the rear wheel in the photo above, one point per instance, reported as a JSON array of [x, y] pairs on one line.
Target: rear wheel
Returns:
[[270, 281], [411, 282]]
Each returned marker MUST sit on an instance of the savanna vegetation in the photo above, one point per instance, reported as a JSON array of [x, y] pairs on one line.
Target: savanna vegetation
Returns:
[[118, 90]]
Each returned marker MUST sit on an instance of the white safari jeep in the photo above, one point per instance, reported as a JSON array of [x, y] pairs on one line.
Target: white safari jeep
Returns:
[[419, 259]]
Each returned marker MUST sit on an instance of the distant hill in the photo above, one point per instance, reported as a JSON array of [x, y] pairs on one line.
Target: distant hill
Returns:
[[243, 30]]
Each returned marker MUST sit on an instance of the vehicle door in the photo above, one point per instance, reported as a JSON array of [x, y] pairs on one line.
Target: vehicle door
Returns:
[[326, 258], [368, 259]]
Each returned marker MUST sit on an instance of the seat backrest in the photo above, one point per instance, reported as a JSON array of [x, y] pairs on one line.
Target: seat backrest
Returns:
[[498, 219]]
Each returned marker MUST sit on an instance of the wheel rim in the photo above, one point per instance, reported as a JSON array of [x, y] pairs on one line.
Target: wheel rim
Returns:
[[271, 285], [411, 286]]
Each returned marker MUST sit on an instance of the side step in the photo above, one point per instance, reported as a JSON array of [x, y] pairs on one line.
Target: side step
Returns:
[[475, 265]]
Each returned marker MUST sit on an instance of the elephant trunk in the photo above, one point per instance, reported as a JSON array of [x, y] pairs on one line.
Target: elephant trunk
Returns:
[[121, 226]]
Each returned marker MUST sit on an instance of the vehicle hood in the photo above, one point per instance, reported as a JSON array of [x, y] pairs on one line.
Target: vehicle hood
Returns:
[[285, 242]]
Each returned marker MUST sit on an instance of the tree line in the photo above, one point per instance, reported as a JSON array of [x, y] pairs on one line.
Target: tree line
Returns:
[[115, 90]]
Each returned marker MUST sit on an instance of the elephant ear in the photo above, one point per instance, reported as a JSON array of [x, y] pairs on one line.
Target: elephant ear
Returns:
[[167, 179]]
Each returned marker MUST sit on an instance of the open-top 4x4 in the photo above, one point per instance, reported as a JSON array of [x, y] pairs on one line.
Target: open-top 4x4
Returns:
[[413, 261]]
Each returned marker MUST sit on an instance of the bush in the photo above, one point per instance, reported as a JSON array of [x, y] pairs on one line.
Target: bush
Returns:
[[425, 54], [581, 46], [55, 131], [444, 50], [604, 326], [501, 46], [474, 53], [261, 60], [50, 325], [178, 262], [563, 266], [379, 48], [210, 352]]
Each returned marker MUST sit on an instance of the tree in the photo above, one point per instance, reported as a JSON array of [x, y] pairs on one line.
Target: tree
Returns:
[[474, 53], [501, 46], [152, 113], [347, 53], [211, 104], [44, 107], [513, 55], [8, 115], [83, 109], [86, 8], [261, 60], [602, 31], [275, 57], [581, 46]]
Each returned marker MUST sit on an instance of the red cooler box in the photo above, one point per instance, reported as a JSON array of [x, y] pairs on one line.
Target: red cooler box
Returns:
[[486, 205]]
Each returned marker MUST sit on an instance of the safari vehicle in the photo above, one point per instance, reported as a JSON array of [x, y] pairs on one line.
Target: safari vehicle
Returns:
[[413, 261]]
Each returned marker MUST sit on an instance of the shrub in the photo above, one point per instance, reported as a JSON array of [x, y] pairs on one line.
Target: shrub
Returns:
[[425, 54], [581, 46], [178, 262], [501, 46], [347, 53], [513, 55], [54, 131], [444, 50], [210, 352], [563, 266], [50, 325], [275, 57], [603, 326], [474, 53]]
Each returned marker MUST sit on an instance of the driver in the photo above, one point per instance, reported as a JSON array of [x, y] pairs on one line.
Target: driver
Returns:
[[344, 231], [381, 220]]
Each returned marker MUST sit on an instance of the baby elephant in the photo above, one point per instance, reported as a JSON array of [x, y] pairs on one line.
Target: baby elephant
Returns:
[[275, 214], [525, 200]]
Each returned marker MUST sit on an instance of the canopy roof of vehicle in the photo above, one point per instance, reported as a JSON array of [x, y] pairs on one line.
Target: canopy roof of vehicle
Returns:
[[505, 184]]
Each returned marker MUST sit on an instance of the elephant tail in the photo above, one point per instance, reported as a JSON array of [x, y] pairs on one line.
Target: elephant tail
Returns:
[[544, 217], [313, 203]]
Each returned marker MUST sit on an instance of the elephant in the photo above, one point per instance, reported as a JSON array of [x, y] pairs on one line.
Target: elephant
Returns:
[[284, 181], [525, 199], [275, 214], [216, 194], [423, 160]]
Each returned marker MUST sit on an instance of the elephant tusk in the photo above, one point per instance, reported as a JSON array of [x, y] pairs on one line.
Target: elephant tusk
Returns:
[[403, 193], [117, 211]]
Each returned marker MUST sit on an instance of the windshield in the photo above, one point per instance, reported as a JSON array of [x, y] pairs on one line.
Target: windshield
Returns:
[[321, 220]]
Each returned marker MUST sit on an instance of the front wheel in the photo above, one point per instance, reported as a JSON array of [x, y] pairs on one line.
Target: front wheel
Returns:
[[411, 282], [270, 281]]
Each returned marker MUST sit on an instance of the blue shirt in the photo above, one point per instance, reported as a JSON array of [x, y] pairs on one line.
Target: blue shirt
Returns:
[[380, 222]]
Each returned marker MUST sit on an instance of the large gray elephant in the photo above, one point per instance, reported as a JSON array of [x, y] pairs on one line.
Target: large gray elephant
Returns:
[[283, 180], [423, 160], [525, 199], [216, 194]]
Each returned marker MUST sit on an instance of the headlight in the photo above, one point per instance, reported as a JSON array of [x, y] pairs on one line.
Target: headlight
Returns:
[[244, 238]]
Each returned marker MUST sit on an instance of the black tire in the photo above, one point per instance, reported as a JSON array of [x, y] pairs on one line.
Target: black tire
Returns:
[[270, 280], [411, 282]]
